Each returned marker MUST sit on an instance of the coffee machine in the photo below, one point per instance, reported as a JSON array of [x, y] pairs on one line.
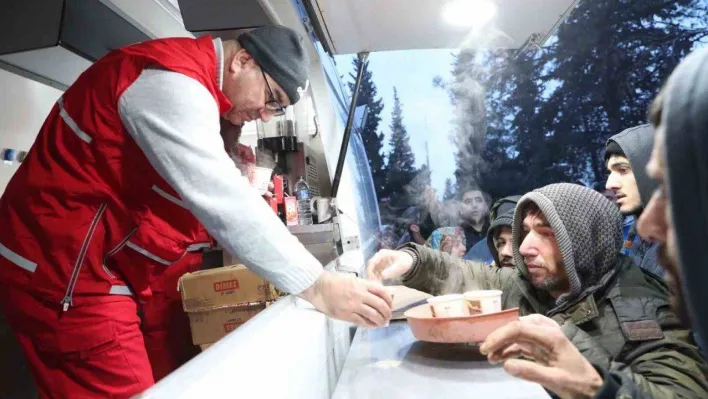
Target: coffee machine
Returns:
[[291, 146]]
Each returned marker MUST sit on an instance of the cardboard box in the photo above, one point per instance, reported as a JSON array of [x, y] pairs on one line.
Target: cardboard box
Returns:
[[210, 326], [219, 300], [223, 287]]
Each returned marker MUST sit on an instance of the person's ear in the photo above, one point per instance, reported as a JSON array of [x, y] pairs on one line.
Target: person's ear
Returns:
[[241, 61]]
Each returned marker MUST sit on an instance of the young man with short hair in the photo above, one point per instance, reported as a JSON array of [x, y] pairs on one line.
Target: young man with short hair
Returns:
[[626, 156]]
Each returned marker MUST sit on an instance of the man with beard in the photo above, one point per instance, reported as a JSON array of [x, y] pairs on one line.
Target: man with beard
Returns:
[[566, 240], [674, 218], [626, 156]]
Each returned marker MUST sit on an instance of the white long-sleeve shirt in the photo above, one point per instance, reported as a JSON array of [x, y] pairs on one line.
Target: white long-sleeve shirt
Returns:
[[175, 121]]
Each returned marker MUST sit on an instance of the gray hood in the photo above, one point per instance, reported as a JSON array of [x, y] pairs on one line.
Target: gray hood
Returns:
[[588, 229], [685, 118], [502, 215], [636, 143]]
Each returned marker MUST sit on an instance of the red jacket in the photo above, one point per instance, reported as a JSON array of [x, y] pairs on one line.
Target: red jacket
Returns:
[[86, 217]]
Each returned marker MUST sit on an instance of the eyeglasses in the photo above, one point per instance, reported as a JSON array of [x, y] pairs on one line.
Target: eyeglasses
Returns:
[[272, 105]]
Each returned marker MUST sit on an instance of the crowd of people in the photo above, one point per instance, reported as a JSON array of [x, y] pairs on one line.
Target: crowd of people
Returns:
[[608, 284], [119, 194]]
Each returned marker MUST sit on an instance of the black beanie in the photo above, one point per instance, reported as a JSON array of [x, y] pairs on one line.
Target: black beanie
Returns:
[[613, 148], [281, 54]]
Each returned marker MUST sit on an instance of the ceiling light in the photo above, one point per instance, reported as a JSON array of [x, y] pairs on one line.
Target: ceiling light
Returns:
[[469, 13]]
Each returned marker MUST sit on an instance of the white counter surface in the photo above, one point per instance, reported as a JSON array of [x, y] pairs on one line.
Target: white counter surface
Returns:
[[389, 363]]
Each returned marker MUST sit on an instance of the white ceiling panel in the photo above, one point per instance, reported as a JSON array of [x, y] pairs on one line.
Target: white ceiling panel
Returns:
[[354, 26]]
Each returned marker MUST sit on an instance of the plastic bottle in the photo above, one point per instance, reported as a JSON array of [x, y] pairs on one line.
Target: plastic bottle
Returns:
[[304, 202]]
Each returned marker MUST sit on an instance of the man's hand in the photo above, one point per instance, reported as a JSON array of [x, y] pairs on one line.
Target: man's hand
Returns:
[[414, 231], [350, 299], [446, 244], [388, 264], [269, 193], [558, 366]]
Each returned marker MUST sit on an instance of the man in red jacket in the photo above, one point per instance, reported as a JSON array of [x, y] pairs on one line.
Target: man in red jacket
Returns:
[[125, 176]]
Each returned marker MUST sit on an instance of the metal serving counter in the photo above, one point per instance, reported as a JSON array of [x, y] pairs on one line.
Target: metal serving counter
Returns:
[[390, 363]]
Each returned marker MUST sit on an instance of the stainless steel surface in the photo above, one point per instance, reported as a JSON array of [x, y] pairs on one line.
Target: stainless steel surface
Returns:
[[389, 363], [350, 243], [221, 17], [313, 230], [58, 40], [319, 239]]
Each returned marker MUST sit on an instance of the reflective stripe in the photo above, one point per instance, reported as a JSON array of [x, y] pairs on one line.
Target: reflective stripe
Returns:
[[120, 290], [198, 246], [148, 254], [69, 121], [17, 259], [112, 252], [168, 197]]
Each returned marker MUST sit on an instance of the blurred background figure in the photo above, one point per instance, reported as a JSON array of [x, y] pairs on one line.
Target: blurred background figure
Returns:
[[417, 225], [449, 240], [497, 247]]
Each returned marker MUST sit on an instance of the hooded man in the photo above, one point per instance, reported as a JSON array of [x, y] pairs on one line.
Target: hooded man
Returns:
[[566, 240], [626, 157], [677, 212], [497, 247], [673, 218], [127, 175]]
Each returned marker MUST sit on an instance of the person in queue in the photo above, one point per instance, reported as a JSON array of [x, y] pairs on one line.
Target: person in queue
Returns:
[[626, 155], [129, 173], [497, 247], [570, 273], [500, 245], [678, 163], [471, 216], [417, 225]]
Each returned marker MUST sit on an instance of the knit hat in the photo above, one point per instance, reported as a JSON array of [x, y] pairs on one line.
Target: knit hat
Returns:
[[281, 54], [588, 230], [613, 148], [503, 220]]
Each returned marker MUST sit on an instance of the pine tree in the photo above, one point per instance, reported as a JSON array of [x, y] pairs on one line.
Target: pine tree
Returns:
[[449, 190], [370, 135], [609, 60], [470, 124], [527, 119], [415, 190], [401, 161]]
